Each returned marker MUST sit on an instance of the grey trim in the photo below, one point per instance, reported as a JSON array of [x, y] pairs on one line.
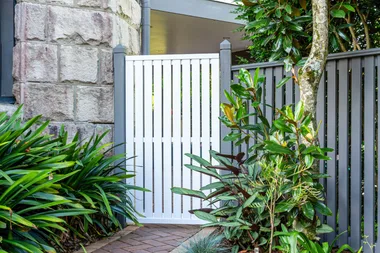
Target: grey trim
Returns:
[[6, 47], [198, 8], [145, 26], [225, 83], [337, 56], [119, 53]]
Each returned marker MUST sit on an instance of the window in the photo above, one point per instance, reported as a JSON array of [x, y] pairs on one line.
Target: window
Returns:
[[6, 49]]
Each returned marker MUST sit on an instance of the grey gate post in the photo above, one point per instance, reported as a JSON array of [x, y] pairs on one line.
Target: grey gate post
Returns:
[[119, 53], [225, 83]]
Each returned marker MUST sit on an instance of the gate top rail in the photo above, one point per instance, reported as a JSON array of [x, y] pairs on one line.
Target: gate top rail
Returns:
[[172, 57], [336, 56]]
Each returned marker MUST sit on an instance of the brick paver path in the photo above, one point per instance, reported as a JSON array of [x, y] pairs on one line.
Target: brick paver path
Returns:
[[151, 238]]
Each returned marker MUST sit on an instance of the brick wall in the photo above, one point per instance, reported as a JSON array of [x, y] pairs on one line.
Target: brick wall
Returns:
[[63, 59]]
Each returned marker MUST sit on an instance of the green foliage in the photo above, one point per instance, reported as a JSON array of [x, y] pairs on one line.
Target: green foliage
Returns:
[[38, 198], [209, 244], [297, 242], [283, 29], [276, 185]]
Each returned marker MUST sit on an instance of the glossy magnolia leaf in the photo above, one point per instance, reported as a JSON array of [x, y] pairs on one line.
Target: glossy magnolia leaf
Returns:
[[309, 160], [278, 43], [299, 111], [232, 137], [188, 192], [303, 4], [281, 125], [284, 206], [278, 149], [338, 13], [230, 98], [205, 216], [278, 13], [324, 229], [288, 9], [309, 150], [349, 7], [257, 23], [283, 81], [308, 210], [322, 209]]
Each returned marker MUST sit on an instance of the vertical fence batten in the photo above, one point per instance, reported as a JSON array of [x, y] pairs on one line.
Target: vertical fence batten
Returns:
[[369, 156]]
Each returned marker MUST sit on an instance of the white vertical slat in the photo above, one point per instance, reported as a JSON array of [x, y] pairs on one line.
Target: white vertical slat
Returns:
[[157, 139], [148, 136], [215, 111], [196, 124], [206, 89], [177, 154], [186, 131], [139, 130], [167, 172], [130, 104]]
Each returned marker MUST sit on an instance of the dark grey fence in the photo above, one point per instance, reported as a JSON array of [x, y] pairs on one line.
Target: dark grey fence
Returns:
[[348, 107]]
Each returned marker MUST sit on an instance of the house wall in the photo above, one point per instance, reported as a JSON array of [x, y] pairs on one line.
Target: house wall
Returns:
[[63, 59]]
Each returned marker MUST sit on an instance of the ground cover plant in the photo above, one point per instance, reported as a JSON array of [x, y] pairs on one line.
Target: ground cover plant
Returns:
[[275, 185], [40, 203]]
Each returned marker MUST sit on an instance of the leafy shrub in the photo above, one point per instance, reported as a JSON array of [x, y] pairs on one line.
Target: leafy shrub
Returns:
[[39, 196], [276, 184], [97, 186], [295, 242], [209, 244]]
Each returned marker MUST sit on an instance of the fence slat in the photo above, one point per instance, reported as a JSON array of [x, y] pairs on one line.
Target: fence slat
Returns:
[[378, 149], [206, 88], [343, 151], [289, 87], [148, 136], [279, 75], [177, 154], [186, 132], [130, 104], [356, 146], [321, 111], [215, 103], [167, 111], [369, 156], [269, 94], [331, 143], [139, 128], [157, 139], [196, 125]]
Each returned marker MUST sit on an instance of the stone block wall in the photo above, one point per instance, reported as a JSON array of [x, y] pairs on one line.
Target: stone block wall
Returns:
[[63, 59]]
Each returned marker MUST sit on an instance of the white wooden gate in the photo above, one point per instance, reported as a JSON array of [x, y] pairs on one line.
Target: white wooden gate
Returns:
[[172, 108]]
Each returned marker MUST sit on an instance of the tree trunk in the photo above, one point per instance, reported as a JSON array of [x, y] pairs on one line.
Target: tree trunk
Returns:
[[310, 74]]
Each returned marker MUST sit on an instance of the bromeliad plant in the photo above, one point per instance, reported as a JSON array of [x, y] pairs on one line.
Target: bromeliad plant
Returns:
[[275, 185]]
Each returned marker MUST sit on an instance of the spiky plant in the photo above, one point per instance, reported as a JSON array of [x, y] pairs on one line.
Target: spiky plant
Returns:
[[209, 244]]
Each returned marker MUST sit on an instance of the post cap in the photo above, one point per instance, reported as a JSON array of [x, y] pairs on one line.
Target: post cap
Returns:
[[119, 49], [225, 45]]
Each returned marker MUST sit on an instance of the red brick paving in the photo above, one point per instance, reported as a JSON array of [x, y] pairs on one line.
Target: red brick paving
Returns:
[[151, 238]]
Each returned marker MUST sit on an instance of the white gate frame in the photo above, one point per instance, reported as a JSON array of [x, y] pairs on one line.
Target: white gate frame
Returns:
[[186, 121]]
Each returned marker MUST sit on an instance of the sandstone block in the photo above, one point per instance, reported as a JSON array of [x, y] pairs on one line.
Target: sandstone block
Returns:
[[30, 21], [93, 3], [53, 102], [79, 64], [35, 62], [94, 104], [106, 66], [79, 26], [62, 2]]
